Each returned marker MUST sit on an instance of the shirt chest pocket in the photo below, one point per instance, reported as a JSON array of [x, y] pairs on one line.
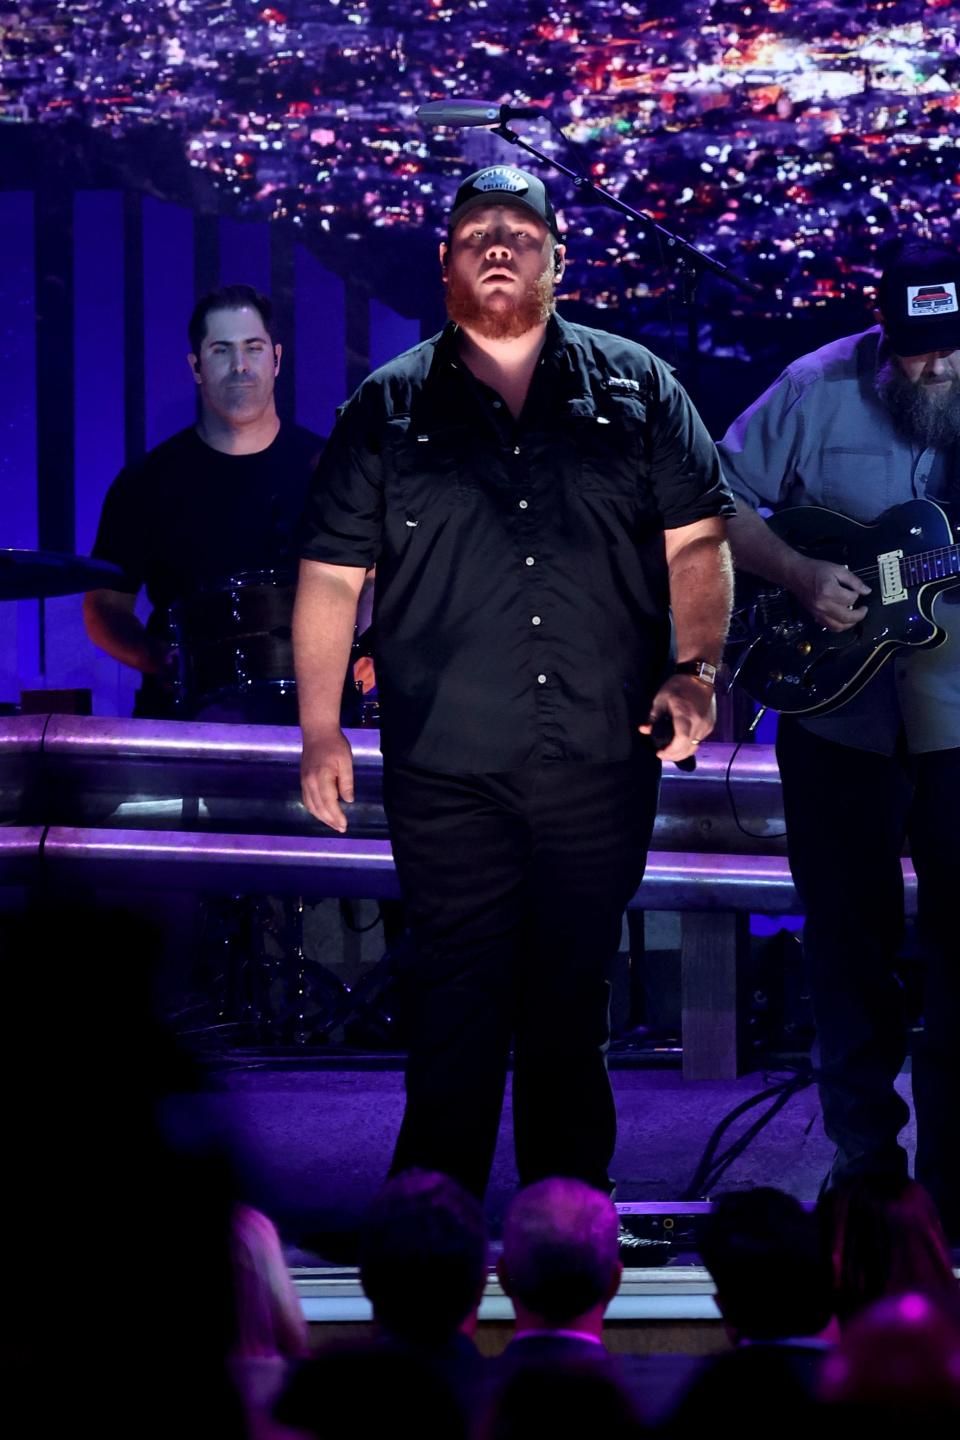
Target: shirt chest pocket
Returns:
[[610, 444], [427, 466], [858, 481]]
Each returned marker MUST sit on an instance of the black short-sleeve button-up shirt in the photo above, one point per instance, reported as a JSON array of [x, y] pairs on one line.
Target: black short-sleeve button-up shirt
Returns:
[[521, 610]]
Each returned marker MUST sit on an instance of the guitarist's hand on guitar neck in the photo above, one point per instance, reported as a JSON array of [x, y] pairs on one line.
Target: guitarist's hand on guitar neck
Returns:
[[829, 591]]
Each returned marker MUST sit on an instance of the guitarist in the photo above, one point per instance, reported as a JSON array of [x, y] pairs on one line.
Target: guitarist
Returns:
[[863, 424]]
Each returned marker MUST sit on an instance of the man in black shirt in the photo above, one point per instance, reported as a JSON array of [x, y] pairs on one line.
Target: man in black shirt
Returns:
[[220, 497], [536, 496]]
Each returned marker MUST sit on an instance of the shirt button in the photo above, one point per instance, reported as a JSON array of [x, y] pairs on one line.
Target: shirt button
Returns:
[[541, 679], [498, 404], [523, 504], [535, 620], [529, 560]]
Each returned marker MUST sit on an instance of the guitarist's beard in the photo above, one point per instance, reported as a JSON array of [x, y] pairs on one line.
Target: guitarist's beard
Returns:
[[927, 414]]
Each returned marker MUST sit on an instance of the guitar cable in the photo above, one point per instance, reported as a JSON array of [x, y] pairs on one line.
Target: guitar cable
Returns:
[[728, 785]]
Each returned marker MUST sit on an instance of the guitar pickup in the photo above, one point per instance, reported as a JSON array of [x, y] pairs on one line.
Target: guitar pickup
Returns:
[[892, 588]]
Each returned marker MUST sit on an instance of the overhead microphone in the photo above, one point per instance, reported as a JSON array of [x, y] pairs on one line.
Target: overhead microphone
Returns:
[[473, 112]]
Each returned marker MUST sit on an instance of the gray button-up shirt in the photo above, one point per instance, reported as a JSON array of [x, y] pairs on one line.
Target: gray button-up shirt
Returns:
[[821, 435]]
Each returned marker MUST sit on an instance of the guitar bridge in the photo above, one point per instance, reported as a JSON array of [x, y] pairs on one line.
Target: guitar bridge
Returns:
[[892, 589]]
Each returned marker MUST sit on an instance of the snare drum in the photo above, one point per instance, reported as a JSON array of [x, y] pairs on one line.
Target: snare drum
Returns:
[[234, 649]]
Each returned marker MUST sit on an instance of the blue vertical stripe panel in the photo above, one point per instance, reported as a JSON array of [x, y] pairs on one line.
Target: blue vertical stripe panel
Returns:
[[245, 253], [390, 333], [167, 302], [98, 353], [19, 630], [98, 269], [321, 355]]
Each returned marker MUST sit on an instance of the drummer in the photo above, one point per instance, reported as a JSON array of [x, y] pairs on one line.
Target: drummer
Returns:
[[219, 497]]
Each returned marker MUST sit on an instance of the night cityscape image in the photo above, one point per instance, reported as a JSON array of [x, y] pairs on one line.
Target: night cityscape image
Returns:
[[788, 140]]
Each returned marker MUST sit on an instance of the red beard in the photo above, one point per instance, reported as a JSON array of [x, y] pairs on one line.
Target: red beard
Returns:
[[531, 307]]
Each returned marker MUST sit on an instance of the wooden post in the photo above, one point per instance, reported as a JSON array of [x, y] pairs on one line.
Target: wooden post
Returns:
[[710, 947]]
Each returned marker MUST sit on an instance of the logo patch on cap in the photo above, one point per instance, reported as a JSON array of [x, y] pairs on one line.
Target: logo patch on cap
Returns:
[[924, 300], [502, 177]]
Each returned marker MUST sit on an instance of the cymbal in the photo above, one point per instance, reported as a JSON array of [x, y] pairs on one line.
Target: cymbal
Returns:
[[38, 574]]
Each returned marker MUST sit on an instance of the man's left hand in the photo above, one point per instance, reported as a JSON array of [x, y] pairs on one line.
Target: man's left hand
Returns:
[[693, 708]]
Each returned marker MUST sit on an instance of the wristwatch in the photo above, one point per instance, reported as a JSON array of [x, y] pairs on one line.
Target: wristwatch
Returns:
[[700, 669]]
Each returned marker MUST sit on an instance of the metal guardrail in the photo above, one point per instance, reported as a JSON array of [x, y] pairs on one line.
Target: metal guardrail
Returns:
[[151, 804], [175, 775], [87, 802]]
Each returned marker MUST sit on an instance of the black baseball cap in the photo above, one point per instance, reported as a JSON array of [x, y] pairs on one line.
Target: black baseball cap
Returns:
[[919, 298], [504, 185]]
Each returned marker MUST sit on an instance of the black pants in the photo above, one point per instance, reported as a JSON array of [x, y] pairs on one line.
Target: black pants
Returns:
[[515, 886], [848, 812]]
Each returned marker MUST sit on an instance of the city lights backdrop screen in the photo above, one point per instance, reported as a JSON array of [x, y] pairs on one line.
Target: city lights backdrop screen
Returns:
[[788, 138]]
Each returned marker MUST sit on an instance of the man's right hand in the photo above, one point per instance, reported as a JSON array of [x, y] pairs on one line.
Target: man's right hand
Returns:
[[326, 777], [830, 592]]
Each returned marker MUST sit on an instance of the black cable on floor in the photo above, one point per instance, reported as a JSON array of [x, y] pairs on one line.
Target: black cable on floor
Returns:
[[711, 1165]]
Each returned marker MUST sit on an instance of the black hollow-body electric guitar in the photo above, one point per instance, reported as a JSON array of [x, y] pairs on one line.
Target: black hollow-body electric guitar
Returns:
[[786, 660]]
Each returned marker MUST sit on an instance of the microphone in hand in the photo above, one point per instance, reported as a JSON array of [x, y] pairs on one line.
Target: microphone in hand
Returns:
[[662, 734]]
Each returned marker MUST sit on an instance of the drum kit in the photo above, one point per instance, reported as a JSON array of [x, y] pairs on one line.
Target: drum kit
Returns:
[[232, 660], [231, 640]]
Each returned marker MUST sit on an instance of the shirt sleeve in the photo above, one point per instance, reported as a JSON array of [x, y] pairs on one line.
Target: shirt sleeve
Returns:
[[760, 451], [122, 532], [342, 521], [685, 468]]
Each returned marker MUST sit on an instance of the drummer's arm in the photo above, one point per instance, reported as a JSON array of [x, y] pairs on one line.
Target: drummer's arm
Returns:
[[113, 626]]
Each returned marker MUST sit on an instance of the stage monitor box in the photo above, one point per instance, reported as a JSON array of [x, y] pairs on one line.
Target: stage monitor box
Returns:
[[653, 1232], [56, 702]]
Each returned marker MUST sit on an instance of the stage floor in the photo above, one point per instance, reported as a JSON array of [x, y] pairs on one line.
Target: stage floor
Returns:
[[313, 1145]]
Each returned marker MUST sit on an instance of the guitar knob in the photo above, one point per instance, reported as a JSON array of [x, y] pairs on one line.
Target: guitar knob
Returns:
[[776, 676], [805, 647]]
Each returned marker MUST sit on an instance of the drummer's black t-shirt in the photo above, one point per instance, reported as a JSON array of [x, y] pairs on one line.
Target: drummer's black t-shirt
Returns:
[[187, 515]]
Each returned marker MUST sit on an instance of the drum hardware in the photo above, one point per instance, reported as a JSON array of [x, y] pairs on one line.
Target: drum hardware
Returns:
[[372, 1004], [260, 985]]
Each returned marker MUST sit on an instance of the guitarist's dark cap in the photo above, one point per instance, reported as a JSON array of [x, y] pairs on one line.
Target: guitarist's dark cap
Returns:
[[919, 298]]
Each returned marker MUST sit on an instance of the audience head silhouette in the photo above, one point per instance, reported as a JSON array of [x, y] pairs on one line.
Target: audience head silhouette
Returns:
[[423, 1257], [899, 1360], [560, 1264], [884, 1237], [761, 1248]]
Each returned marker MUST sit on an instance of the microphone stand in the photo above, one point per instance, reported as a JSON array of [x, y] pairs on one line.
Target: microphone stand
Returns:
[[690, 261]]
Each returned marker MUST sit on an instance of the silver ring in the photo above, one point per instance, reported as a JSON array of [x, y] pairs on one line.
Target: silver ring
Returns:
[[694, 742]]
